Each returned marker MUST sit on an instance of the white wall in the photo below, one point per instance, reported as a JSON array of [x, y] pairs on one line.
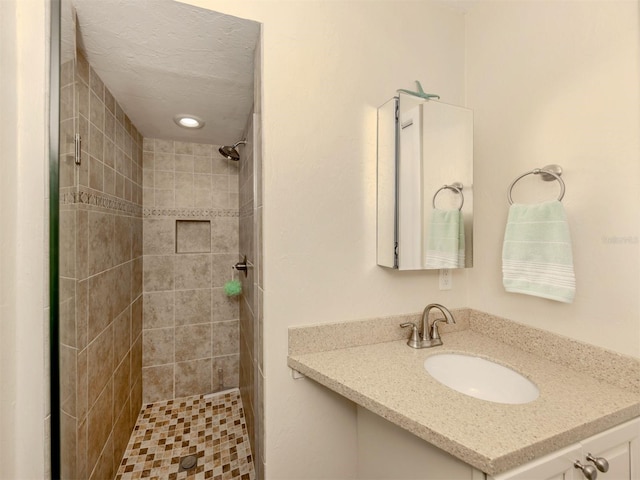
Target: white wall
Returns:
[[8, 272], [342, 61], [557, 82], [23, 103], [327, 66]]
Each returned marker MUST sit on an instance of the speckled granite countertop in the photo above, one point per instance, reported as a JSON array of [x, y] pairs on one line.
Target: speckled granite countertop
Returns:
[[389, 379]]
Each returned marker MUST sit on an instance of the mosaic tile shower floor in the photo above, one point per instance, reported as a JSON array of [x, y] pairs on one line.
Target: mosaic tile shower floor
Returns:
[[213, 428]]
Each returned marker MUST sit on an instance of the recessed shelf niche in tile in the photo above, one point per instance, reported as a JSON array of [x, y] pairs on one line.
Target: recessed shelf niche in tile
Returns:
[[193, 236]]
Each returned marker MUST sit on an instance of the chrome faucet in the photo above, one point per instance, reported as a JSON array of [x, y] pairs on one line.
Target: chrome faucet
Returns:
[[430, 337]]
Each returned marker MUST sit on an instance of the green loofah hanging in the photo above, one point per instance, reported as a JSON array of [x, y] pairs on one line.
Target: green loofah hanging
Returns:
[[233, 288]]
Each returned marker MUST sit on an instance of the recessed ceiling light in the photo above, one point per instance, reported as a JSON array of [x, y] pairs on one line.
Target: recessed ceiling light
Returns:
[[188, 121]]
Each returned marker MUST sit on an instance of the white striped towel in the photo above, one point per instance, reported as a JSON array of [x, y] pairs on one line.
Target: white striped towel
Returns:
[[536, 255], [445, 240]]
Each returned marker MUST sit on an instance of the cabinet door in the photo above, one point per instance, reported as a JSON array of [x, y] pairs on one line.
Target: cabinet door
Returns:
[[555, 466], [620, 446], [388, 452]]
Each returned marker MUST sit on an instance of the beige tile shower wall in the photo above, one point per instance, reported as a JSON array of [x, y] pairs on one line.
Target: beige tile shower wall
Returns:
[[101, 279], [251, 372], [190, 327], [247, 302], [259, 442], [67, 274]]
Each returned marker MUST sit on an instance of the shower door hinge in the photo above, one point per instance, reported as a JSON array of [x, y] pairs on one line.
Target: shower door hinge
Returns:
[[78, 149]]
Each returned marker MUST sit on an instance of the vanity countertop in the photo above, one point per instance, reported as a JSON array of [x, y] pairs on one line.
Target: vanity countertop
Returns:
[[389, 379]]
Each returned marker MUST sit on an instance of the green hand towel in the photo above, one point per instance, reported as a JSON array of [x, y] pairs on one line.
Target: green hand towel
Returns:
[[536, 255], [445, 240]]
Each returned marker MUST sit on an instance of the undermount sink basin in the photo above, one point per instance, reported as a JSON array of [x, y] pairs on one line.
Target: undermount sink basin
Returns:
[[481, 378]]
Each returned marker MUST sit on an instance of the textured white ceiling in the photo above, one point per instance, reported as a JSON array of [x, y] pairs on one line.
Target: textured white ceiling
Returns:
[[161, 58]]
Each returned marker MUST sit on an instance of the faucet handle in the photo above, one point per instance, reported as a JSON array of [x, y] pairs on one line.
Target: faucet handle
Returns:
[[435, 334], [414, 339]]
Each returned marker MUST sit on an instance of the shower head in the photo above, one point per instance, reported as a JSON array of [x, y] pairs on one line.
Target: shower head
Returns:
[[230, 153]]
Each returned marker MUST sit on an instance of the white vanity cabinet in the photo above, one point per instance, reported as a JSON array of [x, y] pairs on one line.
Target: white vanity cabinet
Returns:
[[620, 446], [388, 452], [555, 466]]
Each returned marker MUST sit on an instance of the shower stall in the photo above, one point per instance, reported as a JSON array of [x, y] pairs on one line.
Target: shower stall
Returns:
[[145, 232]]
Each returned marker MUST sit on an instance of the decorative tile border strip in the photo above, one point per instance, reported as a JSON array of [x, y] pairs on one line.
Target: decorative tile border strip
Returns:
[[188, 212], [97, 199]]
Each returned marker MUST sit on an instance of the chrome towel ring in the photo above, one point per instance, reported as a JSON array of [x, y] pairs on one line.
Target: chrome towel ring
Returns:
[[547, 173], [455, 187]]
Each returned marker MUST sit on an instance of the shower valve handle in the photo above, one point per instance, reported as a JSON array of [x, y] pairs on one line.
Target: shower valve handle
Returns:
[[242, 266]]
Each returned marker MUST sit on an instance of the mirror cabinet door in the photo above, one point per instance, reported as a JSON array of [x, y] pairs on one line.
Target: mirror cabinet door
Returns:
[[386, 194], [425, 211]]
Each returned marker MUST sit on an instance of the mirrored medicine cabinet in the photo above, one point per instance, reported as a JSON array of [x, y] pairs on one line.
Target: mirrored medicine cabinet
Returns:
[[424, 184]]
